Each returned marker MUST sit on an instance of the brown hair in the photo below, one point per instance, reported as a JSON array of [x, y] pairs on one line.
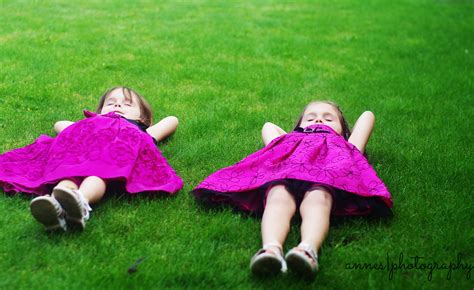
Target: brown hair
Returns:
[[146, 115], [346, 132]]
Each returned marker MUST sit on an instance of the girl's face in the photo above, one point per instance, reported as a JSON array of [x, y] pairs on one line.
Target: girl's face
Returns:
[[322, 113], [121, 105]]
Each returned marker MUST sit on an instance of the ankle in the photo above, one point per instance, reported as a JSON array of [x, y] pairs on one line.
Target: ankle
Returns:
[[310, 251], [305, 245], [83, 199], [273, 246]]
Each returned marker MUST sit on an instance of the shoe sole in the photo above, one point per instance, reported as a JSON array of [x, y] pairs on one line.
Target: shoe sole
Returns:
[[300, 266], [70, 203], [265, 265], [44, 211]]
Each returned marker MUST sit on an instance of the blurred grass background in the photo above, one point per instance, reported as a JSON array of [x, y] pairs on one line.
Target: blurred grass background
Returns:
[[224, 68]]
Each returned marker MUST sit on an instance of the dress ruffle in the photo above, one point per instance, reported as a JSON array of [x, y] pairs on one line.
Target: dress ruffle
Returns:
[[107, 146], [300, 160]]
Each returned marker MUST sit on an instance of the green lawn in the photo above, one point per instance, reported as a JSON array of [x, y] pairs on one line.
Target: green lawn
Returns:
[[224, 69]]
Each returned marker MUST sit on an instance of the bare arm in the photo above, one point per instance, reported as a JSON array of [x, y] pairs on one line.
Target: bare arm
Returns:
[[163, 128], [271, 131], [362, 130], [59, 126]]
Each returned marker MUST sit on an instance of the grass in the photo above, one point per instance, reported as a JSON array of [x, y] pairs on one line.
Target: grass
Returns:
[[224, 68]]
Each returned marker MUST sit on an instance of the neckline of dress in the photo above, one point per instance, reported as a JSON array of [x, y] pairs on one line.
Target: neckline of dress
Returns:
[[315, 128], [89, 114]]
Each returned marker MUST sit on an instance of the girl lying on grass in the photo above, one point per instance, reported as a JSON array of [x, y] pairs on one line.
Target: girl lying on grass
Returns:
[[113, 147], [318, 168]]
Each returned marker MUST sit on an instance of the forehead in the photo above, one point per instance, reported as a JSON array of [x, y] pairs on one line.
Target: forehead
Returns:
[[320, 108], [118, 94]]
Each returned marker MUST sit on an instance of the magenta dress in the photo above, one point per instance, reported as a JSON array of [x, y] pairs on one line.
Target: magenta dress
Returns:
[[300, 160], [108, 146]]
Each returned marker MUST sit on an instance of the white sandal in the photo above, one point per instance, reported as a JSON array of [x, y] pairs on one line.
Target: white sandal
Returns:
[[266, 262], [303, 260], [76, 207], [47, 211]]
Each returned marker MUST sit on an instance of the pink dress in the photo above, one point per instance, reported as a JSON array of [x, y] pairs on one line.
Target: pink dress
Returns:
[[300, 160], [108, 146]]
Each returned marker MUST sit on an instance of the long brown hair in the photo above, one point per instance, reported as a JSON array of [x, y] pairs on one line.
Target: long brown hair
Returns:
[[146, 114], [346, 132]]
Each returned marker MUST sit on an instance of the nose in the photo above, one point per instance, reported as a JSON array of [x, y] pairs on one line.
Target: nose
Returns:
[[318, 120], [117, 105]]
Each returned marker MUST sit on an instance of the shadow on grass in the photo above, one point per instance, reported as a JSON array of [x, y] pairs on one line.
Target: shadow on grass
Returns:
[[30, 229], [379, 213], [344, 230]]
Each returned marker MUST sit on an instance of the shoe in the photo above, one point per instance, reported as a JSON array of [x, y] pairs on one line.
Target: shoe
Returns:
[[76, 207], [268, 263], [47, 211], [303, 260]]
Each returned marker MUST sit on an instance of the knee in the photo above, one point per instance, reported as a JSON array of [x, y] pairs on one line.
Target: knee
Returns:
[[94, 181], [279, 195], [318, 197]]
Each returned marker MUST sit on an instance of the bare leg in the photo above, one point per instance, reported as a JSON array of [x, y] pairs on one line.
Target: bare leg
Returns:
[[315, 211], [93, 189], [67, 184], [280, 208]]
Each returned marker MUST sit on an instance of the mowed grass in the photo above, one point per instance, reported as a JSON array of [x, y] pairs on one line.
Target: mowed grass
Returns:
[[224, 68]]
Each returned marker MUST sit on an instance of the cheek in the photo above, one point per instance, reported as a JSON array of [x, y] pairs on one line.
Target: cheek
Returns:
[[338, 128], [138, 113]]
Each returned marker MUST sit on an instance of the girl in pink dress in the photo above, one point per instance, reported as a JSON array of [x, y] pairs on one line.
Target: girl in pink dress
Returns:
[[318, 169], [114, 147]]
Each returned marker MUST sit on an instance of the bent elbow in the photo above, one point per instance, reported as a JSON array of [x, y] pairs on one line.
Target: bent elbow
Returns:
[[369, 114], [174, 120], [267, 125], [57, 127]]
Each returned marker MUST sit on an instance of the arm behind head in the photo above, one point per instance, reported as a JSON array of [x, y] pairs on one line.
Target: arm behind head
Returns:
[[271, 131], [362, 130], [163, 128], [59, 126]]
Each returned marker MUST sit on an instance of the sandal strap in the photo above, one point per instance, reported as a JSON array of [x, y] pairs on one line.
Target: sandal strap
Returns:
[[87, 207], [57, 206], [273, 244], [278, 255], [309, 250]]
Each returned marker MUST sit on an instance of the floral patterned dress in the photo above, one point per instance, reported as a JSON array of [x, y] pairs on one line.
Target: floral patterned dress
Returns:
[[301, 160], [108, 146]]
